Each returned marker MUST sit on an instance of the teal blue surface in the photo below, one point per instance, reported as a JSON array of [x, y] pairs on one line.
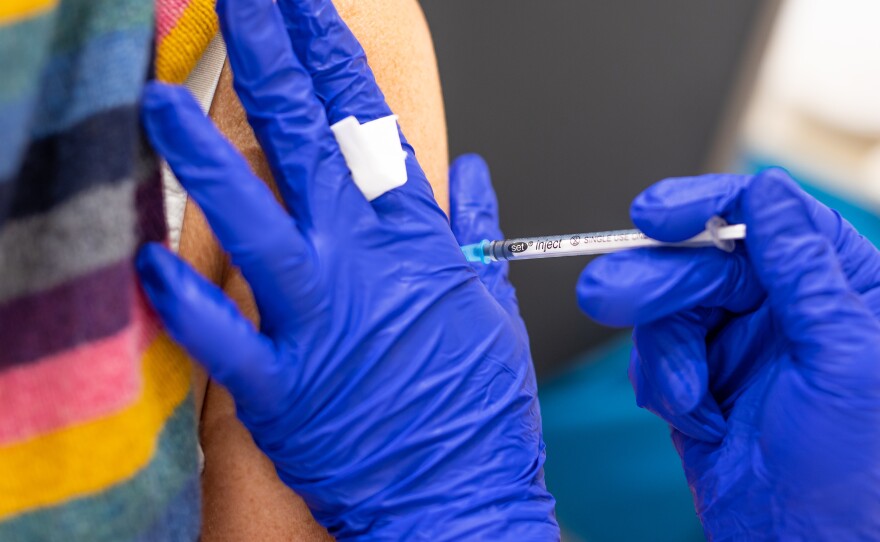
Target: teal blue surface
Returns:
[[611, 465]]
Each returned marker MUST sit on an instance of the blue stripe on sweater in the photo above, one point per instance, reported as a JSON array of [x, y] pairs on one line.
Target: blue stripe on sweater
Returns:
[[108, 72], [14, 119]]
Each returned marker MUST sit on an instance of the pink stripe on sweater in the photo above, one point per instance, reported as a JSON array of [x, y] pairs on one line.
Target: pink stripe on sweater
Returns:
[[86, 382], [168, 12]]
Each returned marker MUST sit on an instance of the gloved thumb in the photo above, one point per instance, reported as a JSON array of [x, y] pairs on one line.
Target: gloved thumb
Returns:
[[200, 318], [821, 316], [474, 217]]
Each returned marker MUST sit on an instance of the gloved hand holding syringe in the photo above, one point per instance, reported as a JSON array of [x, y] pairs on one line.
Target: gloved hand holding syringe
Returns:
[[717, 233]]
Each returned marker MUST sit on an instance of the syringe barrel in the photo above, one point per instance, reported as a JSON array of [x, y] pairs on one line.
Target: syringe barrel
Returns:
[[717, 234], [555, 246]]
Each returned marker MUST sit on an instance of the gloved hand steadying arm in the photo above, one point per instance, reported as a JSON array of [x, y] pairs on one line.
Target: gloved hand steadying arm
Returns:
[[388, 386], [766, 362]]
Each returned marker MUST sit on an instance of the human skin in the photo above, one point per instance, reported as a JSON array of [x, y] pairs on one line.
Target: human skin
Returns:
[[243, 499]]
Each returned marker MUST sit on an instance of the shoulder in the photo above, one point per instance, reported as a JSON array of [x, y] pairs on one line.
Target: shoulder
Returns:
[[396, 38]]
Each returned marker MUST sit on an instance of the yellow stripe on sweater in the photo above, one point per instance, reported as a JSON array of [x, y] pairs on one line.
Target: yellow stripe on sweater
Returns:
[[14, 10], [182, 48], [89, 457]]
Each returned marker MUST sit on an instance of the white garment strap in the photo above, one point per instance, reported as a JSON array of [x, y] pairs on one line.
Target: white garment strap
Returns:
[[202, 83]]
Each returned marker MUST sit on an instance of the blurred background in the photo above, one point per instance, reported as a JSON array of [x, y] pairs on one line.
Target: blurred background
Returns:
[[578, 106]]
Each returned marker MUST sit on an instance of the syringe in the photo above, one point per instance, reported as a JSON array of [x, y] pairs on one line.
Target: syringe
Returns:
[[717, 233]]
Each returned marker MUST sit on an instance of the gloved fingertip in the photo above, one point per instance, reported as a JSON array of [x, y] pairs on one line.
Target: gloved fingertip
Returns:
[[158, 96], [473, 204], [657, 212], [771, 188], [674, 371], [470, 173], [199, 317], [683, 390], [780, 229], [599, 297], [709, 424], [703, 421], [648, 213], [778, 174], [240, 10], [701, 424], [163, 109], [153, 95], [678, 208], [470, 184], [657, 219], [150, 262], [470, 158], [713, 426], [687, 376]]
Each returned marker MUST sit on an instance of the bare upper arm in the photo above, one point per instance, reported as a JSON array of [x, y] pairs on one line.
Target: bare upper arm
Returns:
[[243, 497], [398, 44]]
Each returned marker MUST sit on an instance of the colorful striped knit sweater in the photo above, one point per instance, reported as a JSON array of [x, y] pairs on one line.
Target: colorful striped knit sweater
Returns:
[[97, 428], [183, 30]]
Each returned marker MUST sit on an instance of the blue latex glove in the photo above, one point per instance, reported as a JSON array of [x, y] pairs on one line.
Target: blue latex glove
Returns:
[[474, 217], [766, 361], [388, 386]]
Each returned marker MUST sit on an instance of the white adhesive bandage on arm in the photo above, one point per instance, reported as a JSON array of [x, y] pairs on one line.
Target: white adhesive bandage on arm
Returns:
[[373, 153]]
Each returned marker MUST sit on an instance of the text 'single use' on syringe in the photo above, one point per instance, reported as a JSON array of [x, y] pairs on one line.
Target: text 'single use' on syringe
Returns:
[[717, 233]]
